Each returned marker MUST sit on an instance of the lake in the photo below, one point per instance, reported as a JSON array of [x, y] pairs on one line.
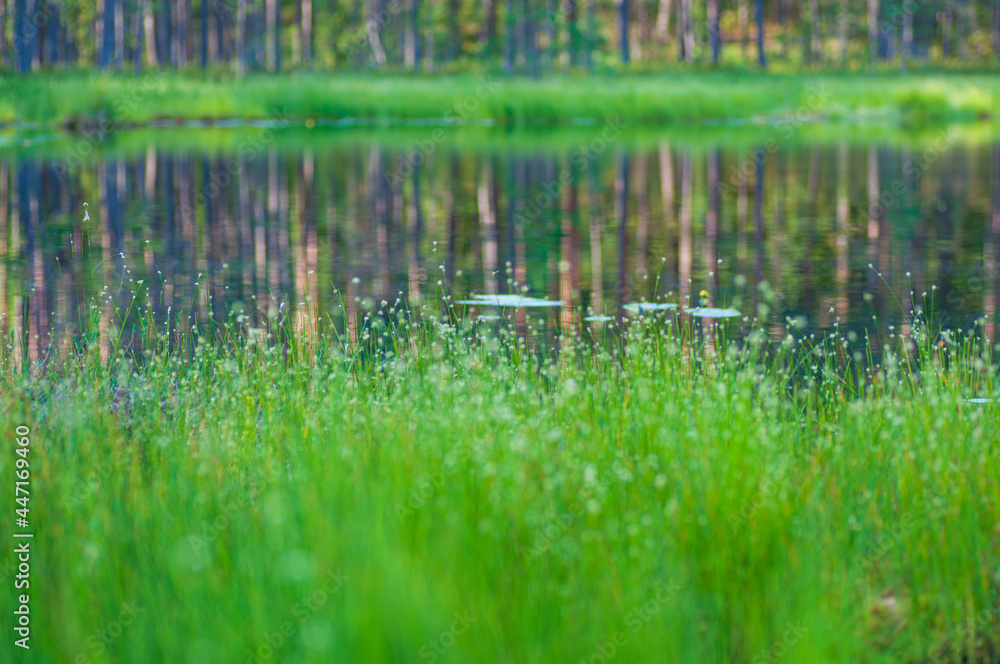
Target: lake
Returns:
[[826, 226]]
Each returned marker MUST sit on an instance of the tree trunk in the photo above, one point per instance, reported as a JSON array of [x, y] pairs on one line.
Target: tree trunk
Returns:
[[996, 28], [811, 45], [688, 30], [149, 26], [591, 30], [180, 33], [531, 40], [744, 18], [297, 36], [41, 51], [119, 34], [682, 8], [663, 19], [623, 29], [454, 33], [573, 40], [907, 38], [204, 34], [98, 30], [46, 36], [873, 7], [70, 45], [3, 33], [106, 31], [162, 38], [428, 40], [842, 32], [489, 34], [713, 30], [761, 56], [970, 26], [276, 29], [509, 32], [412, 37], [62, 54], [270, 34], [551, 34], [409, 37], [218, 47], [642, 38], [138, 32], [307, 31], [22, 58], [241, 33], [374, 35], [946, 24], [33, 37], [783, 28]]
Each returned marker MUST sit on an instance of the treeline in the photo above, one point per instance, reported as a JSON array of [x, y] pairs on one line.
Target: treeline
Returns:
[[519, 36]]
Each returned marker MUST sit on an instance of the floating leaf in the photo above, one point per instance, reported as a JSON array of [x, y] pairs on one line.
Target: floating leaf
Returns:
[[643, 307], [712, 312], [513, 301]]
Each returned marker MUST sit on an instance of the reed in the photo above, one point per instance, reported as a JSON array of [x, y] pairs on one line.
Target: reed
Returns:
[[433, 488]]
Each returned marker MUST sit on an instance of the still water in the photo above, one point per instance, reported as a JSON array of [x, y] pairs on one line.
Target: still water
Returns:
[[204, 223]]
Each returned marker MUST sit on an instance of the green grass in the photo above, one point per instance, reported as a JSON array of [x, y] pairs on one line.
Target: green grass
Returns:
[[655, 98], [294, 138], [486, 499]]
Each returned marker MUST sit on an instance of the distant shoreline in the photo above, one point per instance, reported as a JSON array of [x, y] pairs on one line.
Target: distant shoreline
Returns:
[[87, 100]]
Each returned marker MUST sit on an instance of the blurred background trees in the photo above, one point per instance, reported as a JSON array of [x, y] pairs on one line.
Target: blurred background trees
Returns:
[[529, 37]]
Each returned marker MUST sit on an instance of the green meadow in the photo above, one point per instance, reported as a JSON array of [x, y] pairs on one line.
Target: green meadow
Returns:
[[82, 99], [447, 490], [228, 442]]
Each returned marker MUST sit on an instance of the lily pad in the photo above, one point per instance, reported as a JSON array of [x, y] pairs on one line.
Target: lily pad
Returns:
[[512, 301], [712, 312], [643, 307]]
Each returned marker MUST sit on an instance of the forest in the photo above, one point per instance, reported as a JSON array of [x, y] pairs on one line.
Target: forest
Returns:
[[530, 37]]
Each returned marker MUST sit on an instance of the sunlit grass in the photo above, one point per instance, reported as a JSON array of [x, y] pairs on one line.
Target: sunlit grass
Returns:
[[490, 493], [653, 98]]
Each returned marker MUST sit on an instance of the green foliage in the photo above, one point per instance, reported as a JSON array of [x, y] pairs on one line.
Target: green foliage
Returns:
[[826, 498], [82, 99]]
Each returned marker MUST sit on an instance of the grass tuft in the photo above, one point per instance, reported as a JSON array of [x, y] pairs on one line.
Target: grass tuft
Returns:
[[481, 492]]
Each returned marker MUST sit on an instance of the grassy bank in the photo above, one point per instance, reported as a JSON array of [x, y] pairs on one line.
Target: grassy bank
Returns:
[[671, 97], [445, 493], [560, 140]]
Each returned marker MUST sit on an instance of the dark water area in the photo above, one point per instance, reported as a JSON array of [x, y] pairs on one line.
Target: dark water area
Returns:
[[326, 231]]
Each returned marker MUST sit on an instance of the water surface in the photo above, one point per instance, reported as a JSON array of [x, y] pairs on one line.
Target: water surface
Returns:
[[207, 223]]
